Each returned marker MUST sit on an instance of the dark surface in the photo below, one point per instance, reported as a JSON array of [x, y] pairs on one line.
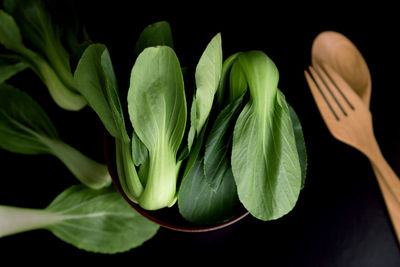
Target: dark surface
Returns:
[[340, 218]]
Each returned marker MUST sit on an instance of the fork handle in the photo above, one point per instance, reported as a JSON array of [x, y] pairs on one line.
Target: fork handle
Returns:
[[384, 174]]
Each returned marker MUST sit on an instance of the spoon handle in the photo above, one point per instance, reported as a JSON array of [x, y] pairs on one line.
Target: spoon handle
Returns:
[[392, 201]]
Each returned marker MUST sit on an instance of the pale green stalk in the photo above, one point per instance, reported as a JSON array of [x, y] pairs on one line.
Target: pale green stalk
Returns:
[[16, 220]]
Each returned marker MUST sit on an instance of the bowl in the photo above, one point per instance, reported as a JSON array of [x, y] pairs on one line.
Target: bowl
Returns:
[[167, 217]]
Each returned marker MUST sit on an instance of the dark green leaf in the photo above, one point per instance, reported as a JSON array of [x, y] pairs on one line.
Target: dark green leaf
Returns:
[[158, 33], [9, 66], [199, 203], [219, 144], [10, 35], [139, 151], [300, 143]]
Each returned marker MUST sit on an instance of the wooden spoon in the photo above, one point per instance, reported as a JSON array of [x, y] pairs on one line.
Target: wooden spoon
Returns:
[[339, 53]]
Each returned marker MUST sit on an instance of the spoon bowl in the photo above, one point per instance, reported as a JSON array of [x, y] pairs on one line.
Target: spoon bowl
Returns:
[[338, 52]]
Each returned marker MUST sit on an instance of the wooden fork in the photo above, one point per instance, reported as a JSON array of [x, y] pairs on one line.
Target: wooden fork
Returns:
[[350, 121]]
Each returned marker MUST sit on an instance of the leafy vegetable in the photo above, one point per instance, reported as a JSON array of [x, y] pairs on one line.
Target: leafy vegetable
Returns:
[[157, 109], [155, 34], [9, 66], [51, 62], [199, 203], [94, 220], [139, 151], [265, 161], [219, 144], [209, 180], [95, 79], [25, 128], [207, 75], [222, 93], [245, 148], [300, 143], [237, 84]]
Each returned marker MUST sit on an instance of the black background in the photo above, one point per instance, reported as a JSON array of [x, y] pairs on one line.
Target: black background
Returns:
[[340, 218]]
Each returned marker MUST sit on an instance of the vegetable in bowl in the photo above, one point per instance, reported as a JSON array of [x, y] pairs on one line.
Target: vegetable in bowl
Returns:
[[207, 153], [238, 145]]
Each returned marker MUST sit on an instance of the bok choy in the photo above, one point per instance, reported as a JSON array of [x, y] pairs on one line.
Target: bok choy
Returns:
[[94, 220], [25, 128], [265, 161], [157, 109], [244, 143], [231, 143], [29, 32]]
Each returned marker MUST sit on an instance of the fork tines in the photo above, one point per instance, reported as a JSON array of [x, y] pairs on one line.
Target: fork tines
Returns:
[[323, 85]]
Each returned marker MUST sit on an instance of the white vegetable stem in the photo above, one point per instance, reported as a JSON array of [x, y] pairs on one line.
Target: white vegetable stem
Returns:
[[16, 220], [160, 190], [127, 174], [64, 97], [91, 173], [61, 94]]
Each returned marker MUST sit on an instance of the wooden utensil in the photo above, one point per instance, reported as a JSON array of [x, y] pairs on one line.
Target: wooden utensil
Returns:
[[349, 120], [337, 51]]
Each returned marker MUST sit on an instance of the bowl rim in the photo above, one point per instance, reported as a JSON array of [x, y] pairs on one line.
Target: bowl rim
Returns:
[[200, 228]]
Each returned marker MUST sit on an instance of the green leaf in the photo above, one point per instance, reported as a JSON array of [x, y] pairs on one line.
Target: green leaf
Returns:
[[51, 64], [219, 144], [237, 84], [264, 160], [43, 34], [192, 130], [157, 109], [9, 66], [10, 35], [195, 152], [222, 92], [139, 151], [34, 21], [207, 75], [95, 79], [208, 175], [21, 120], [199, 203], [93, 220], [158, 33], [300, 143], [25, 128]]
